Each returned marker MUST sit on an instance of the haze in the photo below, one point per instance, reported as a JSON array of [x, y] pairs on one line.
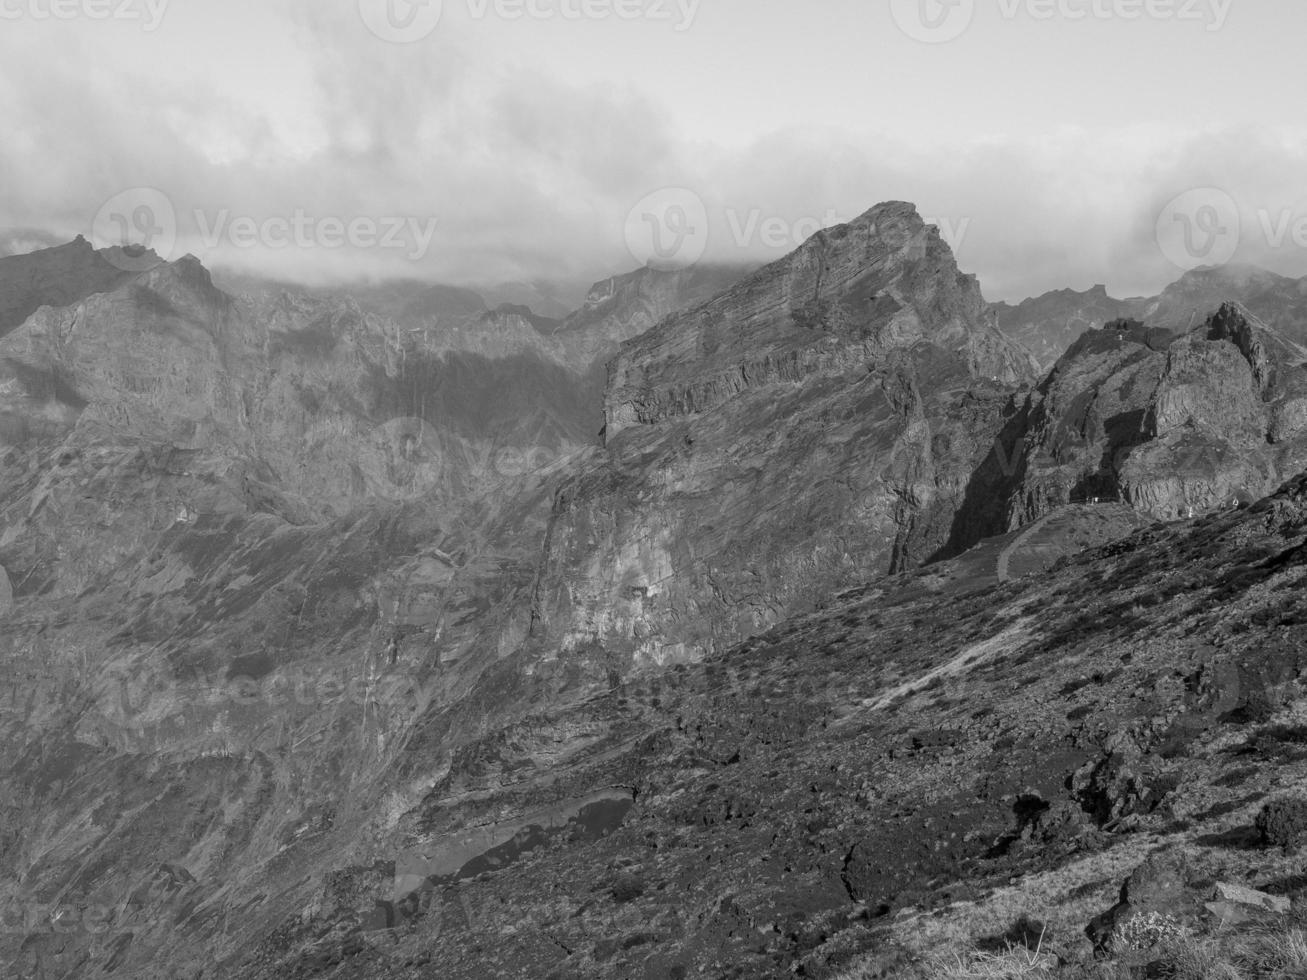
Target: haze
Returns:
[[512, 141]]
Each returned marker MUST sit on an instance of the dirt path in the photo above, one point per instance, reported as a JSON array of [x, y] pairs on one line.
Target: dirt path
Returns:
[[1005, 556]]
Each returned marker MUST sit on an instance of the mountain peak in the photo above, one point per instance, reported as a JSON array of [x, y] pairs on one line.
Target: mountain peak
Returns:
[[57, 276], [186, 277], [884, 281], [1236, 273]]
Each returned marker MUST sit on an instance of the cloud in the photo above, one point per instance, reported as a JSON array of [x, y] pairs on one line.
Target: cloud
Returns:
[[530, 176]]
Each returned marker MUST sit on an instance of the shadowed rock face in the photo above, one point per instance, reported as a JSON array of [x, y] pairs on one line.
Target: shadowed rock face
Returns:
[[334, 404], [1166, 422], [58, 276]]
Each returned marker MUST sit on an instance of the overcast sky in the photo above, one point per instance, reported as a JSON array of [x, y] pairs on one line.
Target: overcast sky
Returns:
[[512, 139]]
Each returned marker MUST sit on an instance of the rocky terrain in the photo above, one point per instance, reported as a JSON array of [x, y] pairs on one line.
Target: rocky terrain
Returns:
[[337, 642], [1172, 424], [1277, 300], [1048, 325], [59, 276]]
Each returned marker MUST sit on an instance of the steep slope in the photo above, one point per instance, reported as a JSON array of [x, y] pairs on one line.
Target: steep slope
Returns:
[[624, 307], [58, 276], [915, 757], [886, 282], [211, 636], [1047, 325], [814, 425], [910, 762]]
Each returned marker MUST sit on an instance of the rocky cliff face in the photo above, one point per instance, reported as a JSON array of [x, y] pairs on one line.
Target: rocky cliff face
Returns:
[[624, 307], [883, 283], [814, 425], [1171, 424]]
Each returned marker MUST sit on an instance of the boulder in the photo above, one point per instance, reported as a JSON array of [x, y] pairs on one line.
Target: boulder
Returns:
[[1283, 823], [1240, 895], [1156, 906]]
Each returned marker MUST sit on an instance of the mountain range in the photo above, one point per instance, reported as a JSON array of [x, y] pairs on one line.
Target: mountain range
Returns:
[[742, 622]]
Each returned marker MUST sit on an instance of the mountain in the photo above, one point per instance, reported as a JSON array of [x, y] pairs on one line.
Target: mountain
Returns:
[[813, 426], [56, 277], [411, 303], [1278, 301], [1047, 325], [923, 763], [624, 307], [1172, 424], [339, 644]]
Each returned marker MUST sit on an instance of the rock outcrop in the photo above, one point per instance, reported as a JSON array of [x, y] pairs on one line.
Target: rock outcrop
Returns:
[[1171, 424]]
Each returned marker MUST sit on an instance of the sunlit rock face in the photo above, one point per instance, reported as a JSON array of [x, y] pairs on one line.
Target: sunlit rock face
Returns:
[[1173, 424], [813, 425], [885, 282]]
